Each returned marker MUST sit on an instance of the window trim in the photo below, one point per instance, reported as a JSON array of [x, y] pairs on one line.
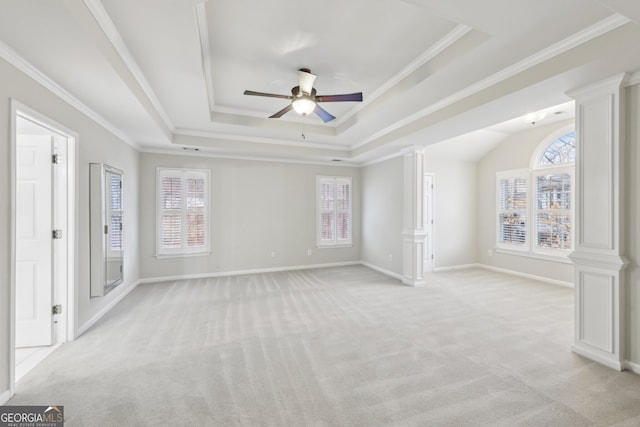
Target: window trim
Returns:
[[515, 173], [183, 251], [335, 243], [553, 170], [113, 254], [531, 249]]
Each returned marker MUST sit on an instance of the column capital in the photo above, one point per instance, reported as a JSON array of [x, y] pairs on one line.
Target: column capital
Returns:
[[412, 149], [602, 86]]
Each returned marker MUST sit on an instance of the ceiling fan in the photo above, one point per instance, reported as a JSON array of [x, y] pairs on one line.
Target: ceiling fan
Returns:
[[304, 100]]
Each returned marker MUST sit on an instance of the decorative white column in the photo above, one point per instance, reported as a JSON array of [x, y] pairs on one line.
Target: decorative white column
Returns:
[[413, 230], [599, 224]]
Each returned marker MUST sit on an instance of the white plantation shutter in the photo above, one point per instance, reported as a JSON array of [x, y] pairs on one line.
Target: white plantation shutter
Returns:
[[327, 210], [343, 210], [553, 213], [512, 211], [170, 210], [114, 214], [182, 211], [195, 211], [334, 210]]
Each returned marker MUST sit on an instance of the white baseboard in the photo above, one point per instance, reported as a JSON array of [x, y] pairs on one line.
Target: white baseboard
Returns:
[[89, 323], [596, 357], [382, 270], [34, 360], [527, 276], [4, 397], [456, 267], [631, 366], [243, 272]]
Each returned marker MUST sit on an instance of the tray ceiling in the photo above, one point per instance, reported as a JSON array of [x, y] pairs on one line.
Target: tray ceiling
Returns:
[[163, 74]]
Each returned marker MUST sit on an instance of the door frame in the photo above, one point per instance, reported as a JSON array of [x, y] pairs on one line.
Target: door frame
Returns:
[[429, 262], [64, 329]]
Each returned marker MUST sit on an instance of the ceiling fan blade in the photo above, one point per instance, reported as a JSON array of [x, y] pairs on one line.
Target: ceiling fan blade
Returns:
[[323, 114], [357, 97], [270, 95], [306, 79], [282, 112]]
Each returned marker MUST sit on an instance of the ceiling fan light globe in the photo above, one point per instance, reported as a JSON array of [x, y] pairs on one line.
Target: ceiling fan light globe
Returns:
[[303, 105]]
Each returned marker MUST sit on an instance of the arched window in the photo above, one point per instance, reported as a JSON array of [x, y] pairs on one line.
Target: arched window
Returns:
[[562, 151], [553, 193], [535, 206]]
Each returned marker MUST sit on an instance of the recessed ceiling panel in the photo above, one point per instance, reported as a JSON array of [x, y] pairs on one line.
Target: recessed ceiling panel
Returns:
[[352, 46]]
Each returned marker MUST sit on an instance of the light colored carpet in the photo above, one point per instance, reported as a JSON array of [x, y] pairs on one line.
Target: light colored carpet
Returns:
[[335, 347]]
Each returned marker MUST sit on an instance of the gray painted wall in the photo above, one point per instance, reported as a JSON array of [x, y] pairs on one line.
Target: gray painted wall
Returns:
[[95, 144], [455, 204], [256, 208], [382, 204], [513, 153]]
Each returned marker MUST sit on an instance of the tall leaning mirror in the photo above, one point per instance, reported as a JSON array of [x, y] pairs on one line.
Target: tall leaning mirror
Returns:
[[106, 215]]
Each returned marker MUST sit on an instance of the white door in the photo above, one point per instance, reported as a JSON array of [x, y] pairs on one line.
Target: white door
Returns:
[[33, 241], [428, 223]]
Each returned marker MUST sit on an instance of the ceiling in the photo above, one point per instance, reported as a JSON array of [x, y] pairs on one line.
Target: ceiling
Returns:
[[168, 74]]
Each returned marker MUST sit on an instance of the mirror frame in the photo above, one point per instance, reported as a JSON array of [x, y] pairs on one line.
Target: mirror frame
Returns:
[[99, 224]]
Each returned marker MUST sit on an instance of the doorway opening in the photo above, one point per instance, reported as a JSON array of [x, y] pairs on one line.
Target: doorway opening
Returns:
[[43, 231]]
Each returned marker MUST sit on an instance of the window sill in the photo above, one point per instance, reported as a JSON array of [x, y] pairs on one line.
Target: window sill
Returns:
[[188, 255], [564, 258], [348, 245]]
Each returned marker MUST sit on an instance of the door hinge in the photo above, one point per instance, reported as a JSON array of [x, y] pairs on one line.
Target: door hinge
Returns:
[[55, 159], [56, 309], [56, 234], [106, 229], [431, 256]]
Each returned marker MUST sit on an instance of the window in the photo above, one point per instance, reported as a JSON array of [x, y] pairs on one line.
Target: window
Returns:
[[183, 214], [553, 174], [544, 194], [512, 210], [114, 214], [334, 211], [553, 211]]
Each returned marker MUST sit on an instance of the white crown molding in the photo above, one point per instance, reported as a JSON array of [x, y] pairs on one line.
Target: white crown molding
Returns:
[[232, 156], [261, 140], [602, 27], [13, 58], [108, 27], [438, 47], [205, 51], [382, 159], [634, 79]]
